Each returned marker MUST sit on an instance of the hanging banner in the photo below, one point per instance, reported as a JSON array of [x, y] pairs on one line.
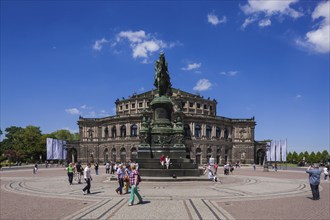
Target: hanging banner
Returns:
[[49, 144], [278, 151], [268, 151], [284, 149], [272, 150]]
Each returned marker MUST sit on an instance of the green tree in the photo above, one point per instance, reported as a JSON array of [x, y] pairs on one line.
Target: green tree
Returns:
[[318, 157], [312, 158], [306, 155], [289, 158], [295, 157], [300, 156], [325, 156], [63, 135]]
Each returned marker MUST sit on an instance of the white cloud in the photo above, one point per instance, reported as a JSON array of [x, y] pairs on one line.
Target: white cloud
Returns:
[[248, 21], [192, 66], [73, 111], [214, 20], [318, 40], [265, 23], [132, 36], [229, 73], [255, 9], [271, 8], [98, 45], [298, 96], [144, 49], [202, 85], [143, 45]]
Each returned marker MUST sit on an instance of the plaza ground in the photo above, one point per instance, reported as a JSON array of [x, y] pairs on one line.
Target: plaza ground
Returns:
[[245, 194]]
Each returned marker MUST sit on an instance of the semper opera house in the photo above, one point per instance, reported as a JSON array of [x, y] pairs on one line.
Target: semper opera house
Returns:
[[206, 135]]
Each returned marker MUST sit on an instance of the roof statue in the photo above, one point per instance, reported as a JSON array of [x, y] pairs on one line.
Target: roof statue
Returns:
[[162, 77]]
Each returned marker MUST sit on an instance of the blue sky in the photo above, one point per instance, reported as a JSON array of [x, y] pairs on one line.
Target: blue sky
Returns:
[[267, 59]]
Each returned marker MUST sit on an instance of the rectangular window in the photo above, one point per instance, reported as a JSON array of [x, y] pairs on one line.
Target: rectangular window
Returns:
[[191, 104], [147, 104], [140, 104], [205, 106], [133, 105], [211, 108], [126, 106], [198, 105], [121, 107]]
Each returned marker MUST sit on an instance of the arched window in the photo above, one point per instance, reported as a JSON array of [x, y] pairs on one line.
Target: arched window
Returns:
[[208, 154], [106, 132], [197, 131], [187, 132], [123, 131], [123, 155], [218, 132], [113, 155], [113, 132], [106, 155], [208, 131], [226, 134], [133, 130], [133, 154]]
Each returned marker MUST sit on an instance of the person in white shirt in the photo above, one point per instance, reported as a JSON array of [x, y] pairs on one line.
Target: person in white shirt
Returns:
[[167, 162], [88, 179], [326, 173]]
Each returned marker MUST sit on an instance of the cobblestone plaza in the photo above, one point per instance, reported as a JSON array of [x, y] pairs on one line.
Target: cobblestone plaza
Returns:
[[245, 194]]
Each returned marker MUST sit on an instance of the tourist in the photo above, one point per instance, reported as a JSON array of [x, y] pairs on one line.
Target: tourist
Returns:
[[167, 162], [314, 180], [112, 168], [35, 168], [126, 178], [254, 167], [88, 179], [70, 170], [275, 166], [120, 178], [79, 171], [162, 161], [210, 173], [326, 173], [96, 166], [134, 181], [107, 168], [215, 168]]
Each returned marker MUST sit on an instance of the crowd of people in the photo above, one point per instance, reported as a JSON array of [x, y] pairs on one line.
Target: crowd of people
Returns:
[[128, 175]]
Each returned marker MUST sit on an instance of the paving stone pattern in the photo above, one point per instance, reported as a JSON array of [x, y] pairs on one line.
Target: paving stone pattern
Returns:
[[245, 194]]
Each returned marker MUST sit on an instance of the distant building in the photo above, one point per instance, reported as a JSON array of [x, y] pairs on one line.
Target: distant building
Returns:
[[116, 138]]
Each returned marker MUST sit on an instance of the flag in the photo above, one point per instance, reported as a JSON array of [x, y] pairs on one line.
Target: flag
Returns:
[[278, 151], [49, 143], [284, 149], [272, 150], [268, 151]]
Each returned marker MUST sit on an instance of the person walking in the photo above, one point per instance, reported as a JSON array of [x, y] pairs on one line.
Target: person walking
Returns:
[[134, 181], [79, 171], [88, 179], [70, 170], [96, 166], [120, 178], [107, 168], [314, 180], [326, 173]]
